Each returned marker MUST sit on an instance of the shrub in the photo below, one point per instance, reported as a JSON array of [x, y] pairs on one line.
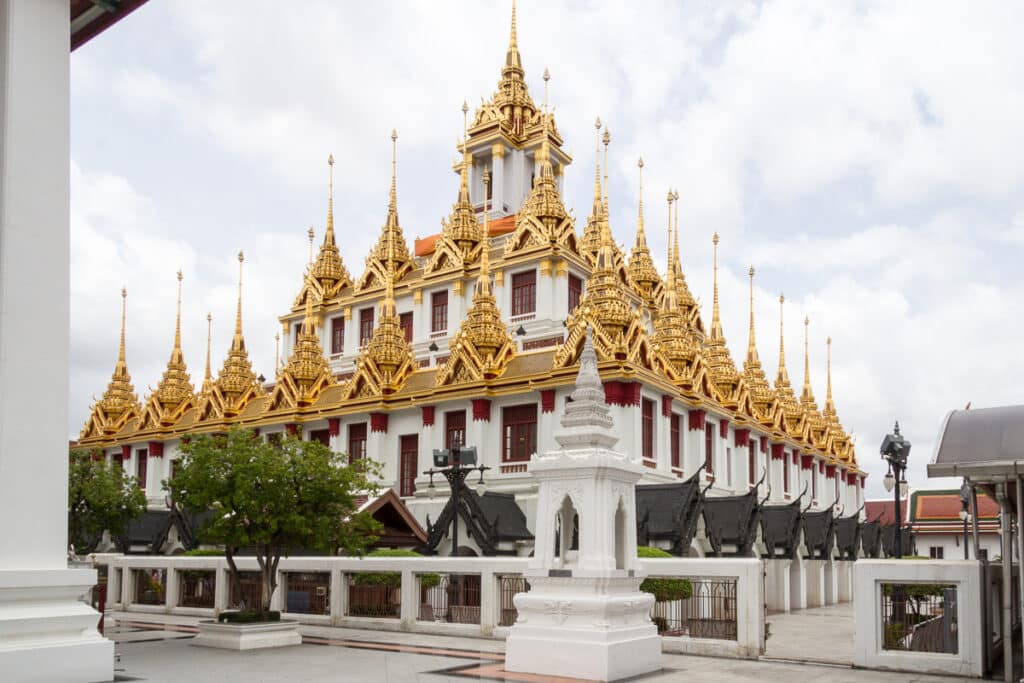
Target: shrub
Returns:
[[663, 589], [392, 579], [248, 617], [204, 552]]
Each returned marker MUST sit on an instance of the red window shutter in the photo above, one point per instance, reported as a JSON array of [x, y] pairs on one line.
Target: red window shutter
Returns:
[[751, 464], [454, 428], [142, 464], [709, 448], [405, 322], [356, 441], [337, 335], [519, 430], [647, 419], [524, 293], [365, 325], [674, 430], [439, 311], [409, 447]]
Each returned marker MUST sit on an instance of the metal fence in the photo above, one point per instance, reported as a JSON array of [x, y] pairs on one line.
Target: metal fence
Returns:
[[197, 588], [508, 586], [709, 612], [250, 596], [375, 594], [308, 592], [919, 617], [452, 598], [150, 586]]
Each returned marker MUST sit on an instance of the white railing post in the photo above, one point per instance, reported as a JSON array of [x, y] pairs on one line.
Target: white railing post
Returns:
[[410, 596], [277, 600], [221, 589], [127, 586], [488, 602], [339, 596], [172, 589]]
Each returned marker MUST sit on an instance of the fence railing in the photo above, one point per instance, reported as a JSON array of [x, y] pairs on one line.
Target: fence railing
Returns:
[[458, 596], [919, 615]]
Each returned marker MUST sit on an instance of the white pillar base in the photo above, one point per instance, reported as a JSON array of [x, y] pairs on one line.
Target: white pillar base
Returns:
[[47, 633], [584, 627]]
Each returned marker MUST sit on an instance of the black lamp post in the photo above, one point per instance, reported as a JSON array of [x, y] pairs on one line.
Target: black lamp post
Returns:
[[895, 450], [965, 514], [455, 464]]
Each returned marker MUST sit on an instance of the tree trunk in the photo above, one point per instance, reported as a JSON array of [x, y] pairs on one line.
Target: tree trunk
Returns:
[[234, 576]]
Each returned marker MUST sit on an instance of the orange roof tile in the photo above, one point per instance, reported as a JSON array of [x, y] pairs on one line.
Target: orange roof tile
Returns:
[[502, 226]]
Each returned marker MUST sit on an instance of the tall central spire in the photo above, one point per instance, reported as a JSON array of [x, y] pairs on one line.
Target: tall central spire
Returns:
[[751, 344], [807, 395], [175, 386], [782, 377], [390, 257], [329, 270], [716, 320], [591, 240], [513, 61], [237, 380]]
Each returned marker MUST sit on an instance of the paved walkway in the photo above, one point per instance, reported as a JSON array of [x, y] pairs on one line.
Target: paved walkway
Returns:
[[156, 648], [820, 634]]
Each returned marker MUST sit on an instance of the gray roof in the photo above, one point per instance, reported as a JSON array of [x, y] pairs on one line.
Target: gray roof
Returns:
[[979, 442]]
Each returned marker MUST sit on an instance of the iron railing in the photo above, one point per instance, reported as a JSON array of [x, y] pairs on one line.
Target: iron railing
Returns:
[[196, 588], [375, 594], [308, 592], [150, 586], [709, 612], [919, 617], [452, 598], [251, 594], [508, 586]]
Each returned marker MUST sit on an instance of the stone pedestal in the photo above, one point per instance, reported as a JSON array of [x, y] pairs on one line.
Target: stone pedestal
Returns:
[[585, 616], [257, 636]]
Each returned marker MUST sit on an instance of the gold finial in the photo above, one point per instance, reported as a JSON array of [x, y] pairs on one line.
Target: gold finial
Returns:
[[670, 199], [209, 326], [484, 281], [807, 357], [177, 322], [310, 234], [124, 313], [512, 44], [751, 345], [238, 314], [393, 205], [597, 169], [547, 77], [277, 351], [716, 322], [782, 377], [329, 236], [640, 201], [606, 139], [828, 390]]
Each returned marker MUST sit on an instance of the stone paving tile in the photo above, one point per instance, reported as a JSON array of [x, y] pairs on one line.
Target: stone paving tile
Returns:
[[409, 658], [823, 634]]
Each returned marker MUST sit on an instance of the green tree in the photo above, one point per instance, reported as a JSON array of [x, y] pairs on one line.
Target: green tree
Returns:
[[273, 498], [101, 498]]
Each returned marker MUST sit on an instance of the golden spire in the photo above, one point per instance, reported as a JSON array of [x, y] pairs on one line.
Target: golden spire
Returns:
[[830, 406], [751, 345], [461, 232], [716, 321], [512, 58], [307, 371], [208, 377], [175, 386], [482, 345], [391, 250], [591, 240], [120, 395], [720, 365], [236, 377], [757, 382], [606, 139], [782, 377], [277, 351], [329, 270], [311, 235], [807, 395], [642, 272], [670, 335]]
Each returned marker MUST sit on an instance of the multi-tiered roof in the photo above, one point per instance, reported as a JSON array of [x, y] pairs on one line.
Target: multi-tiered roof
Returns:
[[644, 327]]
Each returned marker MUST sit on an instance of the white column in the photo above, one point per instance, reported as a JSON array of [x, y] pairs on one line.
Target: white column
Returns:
[[45, 632]]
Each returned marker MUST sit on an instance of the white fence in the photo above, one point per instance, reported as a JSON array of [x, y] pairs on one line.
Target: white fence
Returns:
[[170, 584], [871, 619]]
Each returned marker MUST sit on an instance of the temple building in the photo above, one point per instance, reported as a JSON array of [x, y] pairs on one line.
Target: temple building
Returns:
[[473, 336]]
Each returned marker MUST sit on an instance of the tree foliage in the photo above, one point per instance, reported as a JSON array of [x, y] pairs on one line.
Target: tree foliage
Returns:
[[274, 498], [101, 497]]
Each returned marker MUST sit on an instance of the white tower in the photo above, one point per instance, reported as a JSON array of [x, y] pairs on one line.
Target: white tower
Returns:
[[585, 616]]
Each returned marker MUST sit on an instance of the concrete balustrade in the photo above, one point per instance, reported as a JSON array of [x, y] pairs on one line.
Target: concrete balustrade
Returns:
[[122, 578]]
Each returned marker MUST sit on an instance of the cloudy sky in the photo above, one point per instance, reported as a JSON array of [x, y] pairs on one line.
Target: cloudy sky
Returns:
[[864, 157]]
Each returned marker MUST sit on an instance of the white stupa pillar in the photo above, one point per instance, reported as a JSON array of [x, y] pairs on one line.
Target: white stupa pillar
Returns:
[[585, 616], [46, 634]]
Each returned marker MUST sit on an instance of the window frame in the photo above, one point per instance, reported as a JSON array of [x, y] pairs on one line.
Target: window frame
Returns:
[[452, 418], [647, 451], [142, 466], [337, 335], [575, 292], [709, 447], [524, 294], [675, 432], [366, 323], [408, 464], [405, 324], [357, 434], [439, 311], [518, 423]]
